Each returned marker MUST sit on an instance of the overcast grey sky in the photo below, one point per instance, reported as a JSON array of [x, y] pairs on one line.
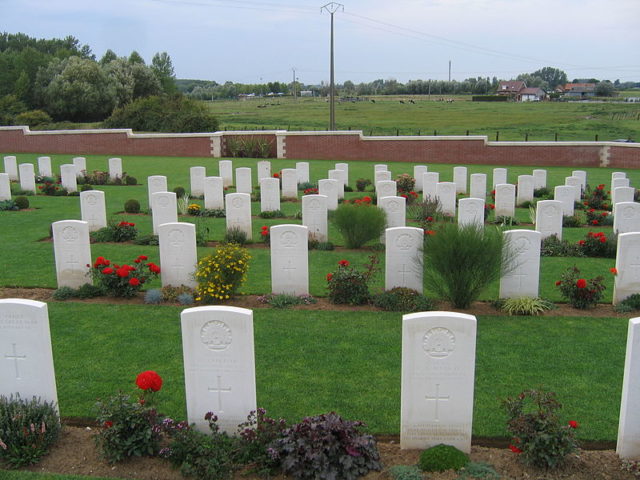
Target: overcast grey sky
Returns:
[[252, 41]]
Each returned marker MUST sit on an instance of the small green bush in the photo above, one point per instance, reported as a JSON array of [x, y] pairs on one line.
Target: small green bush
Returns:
[[22, 202], [129, 180], [525, 306], [88, 291], [147, 240], [358, 223], [349, 286], [179, 191], [629, 304], [283, 300], [272, 214], [235, 235], [115, 232], [153, 297], [442, 457], [215, 213], [8, 205], [32, 118], [552, 246], [572, 221], [362, 184], [405, 472], [402, 299], [132, 206], [63, 293], [325, 246], [580, 292], [542, 192], [478, 470]]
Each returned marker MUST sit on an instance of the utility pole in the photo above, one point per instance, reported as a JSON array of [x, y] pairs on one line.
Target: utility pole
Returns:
[[332, 8], [449, 71], [293, 85]]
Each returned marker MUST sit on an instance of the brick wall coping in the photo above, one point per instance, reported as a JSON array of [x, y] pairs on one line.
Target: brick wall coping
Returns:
[[27, 131]]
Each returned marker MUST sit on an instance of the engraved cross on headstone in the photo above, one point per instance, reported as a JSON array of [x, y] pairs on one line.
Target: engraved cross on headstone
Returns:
[[519, 276], [73, 262], [288, 268], [15, 357], [403, 270], [635, 266], [437, 398], [219, 390]]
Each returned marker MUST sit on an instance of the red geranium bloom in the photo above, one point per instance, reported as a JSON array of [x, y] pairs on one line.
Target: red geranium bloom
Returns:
[[343, 263], [101, 261], [614, 270], [581, 242], [558, 283], [107, 271], [514, 449], [430, 232], [604, 214], [429, 219], [108, 424], [366, 199], [153, 268], [276, 175], [137, 260], [581, 283], [573, 424], [134, 282], [603, 239], [149, 380], [142, 257], [329, 276], [264, 233], [594, 222], [122, 272]]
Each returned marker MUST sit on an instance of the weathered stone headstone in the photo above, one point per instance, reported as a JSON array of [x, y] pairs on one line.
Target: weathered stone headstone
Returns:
[[289, 183], [549, 218], [155, 184], [68, 179], [395, 209], [5, 187], [380, 167], [499, 176], [525, 189], [115, 168], [403, 259], [471, 212], [582, 175], [627, 217], [539, 178], [314, 216], [460, 179], [269, 195], [345, 168], [219, 365], [622, 194], [628, 445], [302, 172], [164, 209], [238, 209], [243, 180], [329, 188], [25, 347], [576, 183], [11, 167], [197, 176], [93, 209], [225, 170], [44, 167], [478, 186], [264, 169], [430, 181], [72, 252], [289, 259], [418, 171], [615, 175], [620, 182], [381, 176], [27, 177], [523, 278], [446, 194], [505, 200], [386, 188], [213, 193], [627, 280], [178, 254], [438, 372], [80, 164], [338, 175], [566, 195]]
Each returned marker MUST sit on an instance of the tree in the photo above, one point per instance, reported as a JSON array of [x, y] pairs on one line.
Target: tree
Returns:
[[605, 89], [534, 81], [108, 57], [163, 68], [553, 76], [135, 57]]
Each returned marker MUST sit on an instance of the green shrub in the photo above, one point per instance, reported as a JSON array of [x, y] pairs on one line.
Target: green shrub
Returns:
[[284, 300], [325, 246], [552, 246], [402, 299], [580, 292], [88, 291], [348, 285], [542, 192], [171, 293], [362, 184], [599, 245], [572, 221], [272, 214], [629, 304], [405, 183], [147, 240], [27, 429], [442, 457], [63, 293], [115, 232], [478, 470], [153, 297], [505, 221], [460, 262], [21, 202], [32, 118], [123, 280], [358, 223], [425, 212], [220, 275], [235, 236], [525, 306], [215, 213], [596, 198], [8, 205], [405, 472], [179, 191], [129, 180], [132, 206]]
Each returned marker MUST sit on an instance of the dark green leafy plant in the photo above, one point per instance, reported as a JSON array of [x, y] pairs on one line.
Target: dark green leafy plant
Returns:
[[552, 246], [348, 285], [63, 293], [272, 214], [358, 223], [179, 191], [402, 299], [147, 240], [21, 202], [362, 184], [256, 437], [115, 232], [572, 221], [580, 292], [8, 205], [629, 304], [283, 300], [235, 235], [442, 457], [215, 213], [132, 206]]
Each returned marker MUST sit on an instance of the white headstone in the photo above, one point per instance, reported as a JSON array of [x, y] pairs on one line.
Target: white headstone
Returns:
[[418, 171], [386, 188], [289, 259], [627, 280], [44, 167], [549, 218], [628, 446], [269, 195], [524, 277], [80, 164], [155, 184], [575, 182], [302, 172], [438, 373], [505, 200], [164, 209], [11, 167], [345, 168], [338, 175], [289, 183], [314, 216], [627, 217], [219, 365], [243, 180], [72, 252], [225, 170], [196, 176], [478, 186], [499, 176], [238, 209], [178, 255], [582, 175], [264, 169], [430, 181], [566, 195], [329, 188], [115, 168], [525, 189], [446, 194], [403, 259], [68, 179], [539, 178], [395, 209], [25, 347], [471, 212], [27, 177], [615, 175], [5, 187], [213, 193], [622, 194], [620, 182], [379, 167], [93, 209], [381, 176], [460, 179]]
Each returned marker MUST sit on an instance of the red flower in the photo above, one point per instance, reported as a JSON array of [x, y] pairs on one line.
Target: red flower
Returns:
[[101, 261], [366, 199], [558, 283], [492, 206], [581, 242], [604, 214], [149, 380], [594, 222], [429, 219], [603, 239], [134, 282], [153, 268], [107, 271], [264, 233], [137, 260], [108, 424], [581, 283], [142, 257], [514, 449], [614, 270], [329, 276], [276, 175], [573, 424], [343, 263], [122, 272], [430, 232], [591, 210]]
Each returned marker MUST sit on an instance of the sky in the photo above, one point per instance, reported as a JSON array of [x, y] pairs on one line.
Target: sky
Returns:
[[256, 41]]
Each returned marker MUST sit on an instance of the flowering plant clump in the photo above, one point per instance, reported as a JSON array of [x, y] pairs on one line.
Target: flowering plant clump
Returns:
[[115, 232], [410, 196], [580, 292], [310, 191], [597, 244], [539, 436], [595, 217], [405, 183], [348, 285], [193, 209], [256, 436], [52, 188], [123, 280], [596, 198], [265, 234], [220, 275]]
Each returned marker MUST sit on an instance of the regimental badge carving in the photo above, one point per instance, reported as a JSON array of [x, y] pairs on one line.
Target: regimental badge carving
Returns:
[[176, 238], [70, 234], [404, 241], [216, 335], [288, 239], [92, 199], [439, 342], [237, 202]]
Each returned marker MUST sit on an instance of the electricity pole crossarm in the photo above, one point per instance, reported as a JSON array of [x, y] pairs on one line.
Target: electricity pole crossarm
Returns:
[[332, 8]]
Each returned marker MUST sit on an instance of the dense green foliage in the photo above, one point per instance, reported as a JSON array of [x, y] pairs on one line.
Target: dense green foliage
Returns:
[[358, 223], [442, 457]]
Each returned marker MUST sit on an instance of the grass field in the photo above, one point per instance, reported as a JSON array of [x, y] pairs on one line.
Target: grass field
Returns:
[[313, 361], [541, 121]]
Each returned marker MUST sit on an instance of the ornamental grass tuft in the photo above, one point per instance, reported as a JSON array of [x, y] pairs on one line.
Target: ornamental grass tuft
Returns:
[[358, 223]]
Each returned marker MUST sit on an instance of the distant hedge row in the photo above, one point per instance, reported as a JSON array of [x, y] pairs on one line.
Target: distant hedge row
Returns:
[[489, 98]]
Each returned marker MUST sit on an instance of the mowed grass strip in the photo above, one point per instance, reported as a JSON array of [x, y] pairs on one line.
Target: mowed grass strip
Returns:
[[309, 362]]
